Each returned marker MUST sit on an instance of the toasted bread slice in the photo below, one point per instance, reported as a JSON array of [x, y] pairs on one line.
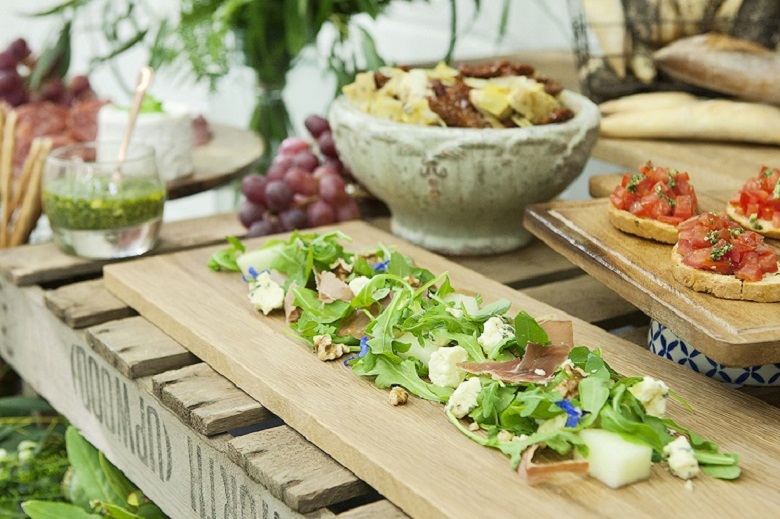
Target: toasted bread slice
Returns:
[[726, 286], [759, 225], [642, 227]]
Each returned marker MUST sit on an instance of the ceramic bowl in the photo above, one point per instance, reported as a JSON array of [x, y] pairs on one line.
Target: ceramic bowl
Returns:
[[664, 343], [460, 190]]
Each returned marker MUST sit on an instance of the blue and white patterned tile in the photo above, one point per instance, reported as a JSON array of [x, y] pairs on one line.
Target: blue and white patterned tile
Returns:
[[664, 343]]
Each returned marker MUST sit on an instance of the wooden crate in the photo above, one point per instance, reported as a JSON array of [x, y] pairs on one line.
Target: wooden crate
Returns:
[[190, 439]]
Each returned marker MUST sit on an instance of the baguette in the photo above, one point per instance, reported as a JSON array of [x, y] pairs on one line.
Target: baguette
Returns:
[[758, 225], [724, 64], [716, 119], [726, 286], [642, 227], [647, 101]]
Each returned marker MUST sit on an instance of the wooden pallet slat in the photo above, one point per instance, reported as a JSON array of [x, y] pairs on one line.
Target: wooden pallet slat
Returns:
[[86, 303], [137, 348], [206, 400], [294, 470]]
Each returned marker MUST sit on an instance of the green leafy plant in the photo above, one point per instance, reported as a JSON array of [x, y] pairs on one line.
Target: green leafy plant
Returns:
[[93, 487], [267, 35]]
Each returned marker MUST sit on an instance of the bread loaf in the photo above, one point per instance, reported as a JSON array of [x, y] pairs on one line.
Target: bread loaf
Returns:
[[724, 64], [716, 119]]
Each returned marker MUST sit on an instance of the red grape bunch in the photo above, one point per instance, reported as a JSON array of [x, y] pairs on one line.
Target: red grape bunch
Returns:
[[301, 188], [16, 64]]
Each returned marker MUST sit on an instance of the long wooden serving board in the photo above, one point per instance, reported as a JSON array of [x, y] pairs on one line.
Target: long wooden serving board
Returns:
[[412, 454], [733, 333]]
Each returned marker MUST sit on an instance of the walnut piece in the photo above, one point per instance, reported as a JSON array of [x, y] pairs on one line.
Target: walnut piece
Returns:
[[398, 396], [327, 349]]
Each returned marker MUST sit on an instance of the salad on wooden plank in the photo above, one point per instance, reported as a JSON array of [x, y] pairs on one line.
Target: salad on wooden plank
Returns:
[[512, 383]]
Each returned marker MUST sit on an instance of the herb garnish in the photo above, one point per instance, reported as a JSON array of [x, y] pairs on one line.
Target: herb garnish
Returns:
[[664, 196], [718, 252], [754, 222], [635, 180]]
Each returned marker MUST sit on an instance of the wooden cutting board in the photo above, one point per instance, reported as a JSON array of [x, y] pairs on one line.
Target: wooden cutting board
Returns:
[[412, 454], [734, 333]]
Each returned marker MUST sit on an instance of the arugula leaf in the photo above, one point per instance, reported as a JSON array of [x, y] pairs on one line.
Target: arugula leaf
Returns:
[[225, 259], [722, 471], [528, 330], [404, 373], [383, 327], [492, 400], [594, 394], [495, 308], [317, 310]]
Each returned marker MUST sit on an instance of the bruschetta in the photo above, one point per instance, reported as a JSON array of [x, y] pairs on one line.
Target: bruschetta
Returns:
[[716, 255], [652, 203], [757, 205]]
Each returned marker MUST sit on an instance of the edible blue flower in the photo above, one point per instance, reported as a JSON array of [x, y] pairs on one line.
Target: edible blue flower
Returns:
[[363, 351], [574, 414], [381, 267], [253, 272]]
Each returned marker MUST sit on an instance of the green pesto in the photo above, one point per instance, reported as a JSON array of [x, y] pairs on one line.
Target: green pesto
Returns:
[[72, 205]]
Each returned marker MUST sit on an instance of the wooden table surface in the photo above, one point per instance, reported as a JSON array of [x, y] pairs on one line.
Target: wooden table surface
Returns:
[[88, 353]]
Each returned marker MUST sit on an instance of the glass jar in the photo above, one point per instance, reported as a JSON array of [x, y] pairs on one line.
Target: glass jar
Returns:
[[99, 207]]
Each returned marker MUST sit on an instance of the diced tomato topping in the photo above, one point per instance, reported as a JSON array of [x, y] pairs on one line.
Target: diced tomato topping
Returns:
[[760, 196], [712, 242], [659, 193]]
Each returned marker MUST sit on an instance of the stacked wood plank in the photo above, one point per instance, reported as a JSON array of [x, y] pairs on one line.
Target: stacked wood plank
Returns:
[[186, 435]]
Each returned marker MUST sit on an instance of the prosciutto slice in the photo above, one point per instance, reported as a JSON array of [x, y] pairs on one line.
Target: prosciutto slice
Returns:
[[535, 473], [537, 365], [539, 362], [331, 288]]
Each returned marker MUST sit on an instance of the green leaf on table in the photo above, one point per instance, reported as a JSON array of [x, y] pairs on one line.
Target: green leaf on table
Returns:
[[722, 471], [52, 510], [85, 460], [225, 259]]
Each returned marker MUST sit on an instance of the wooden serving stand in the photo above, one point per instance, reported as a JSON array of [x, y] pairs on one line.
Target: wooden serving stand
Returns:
[[136, 393]]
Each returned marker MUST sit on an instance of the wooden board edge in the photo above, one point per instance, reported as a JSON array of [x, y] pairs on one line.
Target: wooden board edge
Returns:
[[541, 220]]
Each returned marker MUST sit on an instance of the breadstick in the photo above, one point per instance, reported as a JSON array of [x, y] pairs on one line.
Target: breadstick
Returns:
[[6, 163], [24, 179], [31, 207]]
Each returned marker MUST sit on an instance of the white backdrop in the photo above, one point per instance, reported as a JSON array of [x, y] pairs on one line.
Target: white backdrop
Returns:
[[408, 32]]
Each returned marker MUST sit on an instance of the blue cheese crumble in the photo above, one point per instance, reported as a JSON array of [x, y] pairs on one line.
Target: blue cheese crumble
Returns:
[[464, 398], [495, 334], [442, 366], [652, 394], [681, 459], [265, 293]]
